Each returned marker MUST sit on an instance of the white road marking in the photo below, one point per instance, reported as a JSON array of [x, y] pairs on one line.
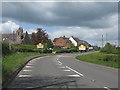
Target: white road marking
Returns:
[[24, 75], [75, 71], [27, 70], [59, 63], [107, 88], [32, 62], [29, 66], [66, 70], [62, 67], [74, 75]]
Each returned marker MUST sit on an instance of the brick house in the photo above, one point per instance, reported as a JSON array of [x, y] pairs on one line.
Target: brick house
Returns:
[[61, 42]]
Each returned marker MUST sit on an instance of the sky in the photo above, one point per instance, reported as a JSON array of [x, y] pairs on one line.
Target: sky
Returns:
[[84, 20]]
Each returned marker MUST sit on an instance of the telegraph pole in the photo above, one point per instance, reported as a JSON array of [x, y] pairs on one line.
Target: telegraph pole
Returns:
[[102, 40], [106, 37]]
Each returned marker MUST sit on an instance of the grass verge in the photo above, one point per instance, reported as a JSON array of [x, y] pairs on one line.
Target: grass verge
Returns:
[[111, 60], [10, 63]]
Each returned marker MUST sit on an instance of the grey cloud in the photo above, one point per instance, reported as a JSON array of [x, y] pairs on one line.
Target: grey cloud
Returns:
[[88, 14]]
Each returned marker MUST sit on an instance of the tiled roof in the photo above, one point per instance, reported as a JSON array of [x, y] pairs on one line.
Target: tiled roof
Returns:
[[81, 41], [8, 35]]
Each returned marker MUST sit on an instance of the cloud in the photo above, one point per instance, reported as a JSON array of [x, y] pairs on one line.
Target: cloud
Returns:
[[92, 34], [31, 30], [87, 14], [8, 27]]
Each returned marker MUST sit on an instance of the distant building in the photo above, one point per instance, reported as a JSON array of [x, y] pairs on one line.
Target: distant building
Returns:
[[17, 38], [61, 42], [82, 45]]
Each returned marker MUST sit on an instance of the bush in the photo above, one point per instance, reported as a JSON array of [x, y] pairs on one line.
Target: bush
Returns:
[[24, 48], [110, 49], [6, 49], [65, 50], [107, 58], [73, 50]]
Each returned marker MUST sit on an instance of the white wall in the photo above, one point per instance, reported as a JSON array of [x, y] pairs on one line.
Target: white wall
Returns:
[[73, 41]]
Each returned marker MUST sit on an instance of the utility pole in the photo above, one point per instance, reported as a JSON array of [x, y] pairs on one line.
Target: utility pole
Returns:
[[106, 38], [102, 40]]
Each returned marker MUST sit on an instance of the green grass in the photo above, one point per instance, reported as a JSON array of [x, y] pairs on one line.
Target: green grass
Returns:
[[10, 63], [110, 60]]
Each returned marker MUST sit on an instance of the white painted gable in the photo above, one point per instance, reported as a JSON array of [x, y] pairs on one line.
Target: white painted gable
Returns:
[[73, 41]]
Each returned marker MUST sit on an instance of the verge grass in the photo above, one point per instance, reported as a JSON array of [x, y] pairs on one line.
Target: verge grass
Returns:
[[111, 60], [11, 62]]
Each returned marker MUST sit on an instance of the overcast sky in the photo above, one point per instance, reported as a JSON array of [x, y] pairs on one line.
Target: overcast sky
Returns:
[[85, 20]]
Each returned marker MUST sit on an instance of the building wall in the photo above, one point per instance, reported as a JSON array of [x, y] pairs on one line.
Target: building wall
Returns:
[[19, 35], [73, 41]]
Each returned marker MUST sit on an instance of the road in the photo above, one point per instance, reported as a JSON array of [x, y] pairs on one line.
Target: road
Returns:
[[64, 71]]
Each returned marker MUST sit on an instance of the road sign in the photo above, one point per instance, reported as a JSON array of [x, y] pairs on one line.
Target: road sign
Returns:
[[40, 45]]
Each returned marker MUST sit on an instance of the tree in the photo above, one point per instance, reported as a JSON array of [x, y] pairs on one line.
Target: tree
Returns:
[[49, 44], [40, 37], [108, 48]]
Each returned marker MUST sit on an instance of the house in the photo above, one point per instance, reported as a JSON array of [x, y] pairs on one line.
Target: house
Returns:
[[82, 45], [17, 38], [10, 38], [62, 42]]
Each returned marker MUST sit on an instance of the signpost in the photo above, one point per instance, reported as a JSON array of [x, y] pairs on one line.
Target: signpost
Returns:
[[82, 47], [40, 45]]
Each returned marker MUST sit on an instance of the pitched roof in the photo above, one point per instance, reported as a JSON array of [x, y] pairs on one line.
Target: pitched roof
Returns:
[[66, 39], [81, 41], [55, 39], [8, 35]]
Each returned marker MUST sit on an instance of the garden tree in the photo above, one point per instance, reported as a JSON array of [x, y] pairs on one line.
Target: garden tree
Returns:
[[49, 44], [96, 48], [40, 37], [70, 45]]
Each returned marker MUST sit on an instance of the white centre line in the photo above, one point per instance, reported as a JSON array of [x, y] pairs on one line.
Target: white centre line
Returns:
[[75, 71]]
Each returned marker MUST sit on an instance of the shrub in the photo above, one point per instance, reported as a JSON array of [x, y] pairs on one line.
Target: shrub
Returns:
[[108, 48], [6, 49], [24, 48], [107, 58], [73, 50]]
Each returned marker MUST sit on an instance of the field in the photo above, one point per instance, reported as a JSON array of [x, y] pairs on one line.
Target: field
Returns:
[[111, 60]]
